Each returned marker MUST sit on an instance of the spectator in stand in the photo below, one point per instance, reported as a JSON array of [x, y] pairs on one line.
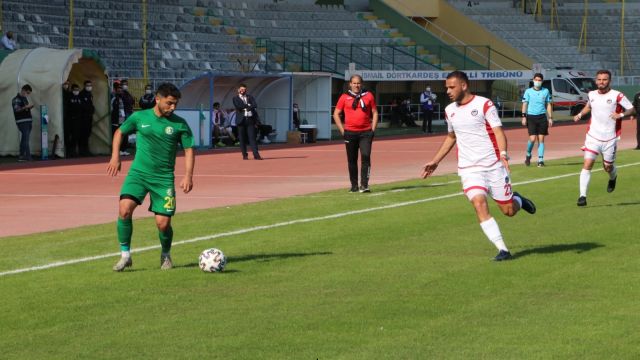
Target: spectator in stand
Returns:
[[148, 100], [22, 114], [118, 116], [8, 42], [86, 118]]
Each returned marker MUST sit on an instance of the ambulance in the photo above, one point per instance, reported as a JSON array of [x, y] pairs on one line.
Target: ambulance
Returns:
[[569, 89]]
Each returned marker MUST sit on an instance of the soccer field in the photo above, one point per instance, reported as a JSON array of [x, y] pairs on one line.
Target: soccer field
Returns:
[[401, 273]]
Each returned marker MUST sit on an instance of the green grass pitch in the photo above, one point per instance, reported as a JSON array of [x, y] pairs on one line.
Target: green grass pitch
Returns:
[[401, 273]]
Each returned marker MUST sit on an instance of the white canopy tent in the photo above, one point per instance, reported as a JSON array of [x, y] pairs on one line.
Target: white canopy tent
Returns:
[[45, 70]]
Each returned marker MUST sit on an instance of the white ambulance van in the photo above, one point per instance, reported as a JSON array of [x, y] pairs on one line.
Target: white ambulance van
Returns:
[[569, 89]]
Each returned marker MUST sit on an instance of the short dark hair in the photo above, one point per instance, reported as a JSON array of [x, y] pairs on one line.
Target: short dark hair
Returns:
[[604, 71], [75, 86], [87, 82], [216, 104], [168, 89], [242, 85], [460, 75], [538, 75], [27, 87]]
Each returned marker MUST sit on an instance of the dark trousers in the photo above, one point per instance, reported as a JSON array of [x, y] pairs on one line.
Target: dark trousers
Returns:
[[25, 134], [427, 119], [247, 132], [84, 132], [358, 141]]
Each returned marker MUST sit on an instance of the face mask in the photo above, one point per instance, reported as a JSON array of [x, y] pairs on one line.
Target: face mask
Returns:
[[125, 87], [88, 88], [429, 89], [76, 92], [147, 91], [537, 84]]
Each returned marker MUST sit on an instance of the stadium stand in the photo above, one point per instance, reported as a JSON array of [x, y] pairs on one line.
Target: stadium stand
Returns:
[[189, 37], [560, 47]]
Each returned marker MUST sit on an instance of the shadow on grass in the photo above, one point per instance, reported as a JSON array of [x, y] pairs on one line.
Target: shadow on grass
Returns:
[[261, 258], [578, 248], [618, 204]]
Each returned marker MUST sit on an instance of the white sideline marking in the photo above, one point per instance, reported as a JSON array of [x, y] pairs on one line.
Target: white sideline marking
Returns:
[[276, 225]]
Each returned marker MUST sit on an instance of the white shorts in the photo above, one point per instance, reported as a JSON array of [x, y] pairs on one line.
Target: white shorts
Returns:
[[496, 182], [592, 148]]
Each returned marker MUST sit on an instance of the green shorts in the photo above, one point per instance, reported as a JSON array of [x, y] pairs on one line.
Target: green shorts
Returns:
[[162, 193]]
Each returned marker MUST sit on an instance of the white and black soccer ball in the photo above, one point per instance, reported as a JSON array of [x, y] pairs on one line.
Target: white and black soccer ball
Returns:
[[212, 260]]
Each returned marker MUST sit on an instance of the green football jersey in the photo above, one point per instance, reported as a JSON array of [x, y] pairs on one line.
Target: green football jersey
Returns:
[[157, 141]]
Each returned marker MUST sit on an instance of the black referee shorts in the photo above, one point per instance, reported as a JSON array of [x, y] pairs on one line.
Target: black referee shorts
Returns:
[[537, 124]]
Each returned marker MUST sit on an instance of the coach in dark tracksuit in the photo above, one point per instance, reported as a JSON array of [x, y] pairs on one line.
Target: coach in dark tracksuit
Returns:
[[360, 122], [246, 117]]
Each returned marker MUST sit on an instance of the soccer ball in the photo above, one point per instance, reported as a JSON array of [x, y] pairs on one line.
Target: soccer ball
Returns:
[[212, 260]]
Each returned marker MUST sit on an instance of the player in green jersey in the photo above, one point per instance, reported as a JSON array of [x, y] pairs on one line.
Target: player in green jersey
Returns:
[[158, 133]]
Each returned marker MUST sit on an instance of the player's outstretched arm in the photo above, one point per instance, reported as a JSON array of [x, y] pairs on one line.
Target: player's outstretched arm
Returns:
[[446, 146], [114, 164], [189, 159]]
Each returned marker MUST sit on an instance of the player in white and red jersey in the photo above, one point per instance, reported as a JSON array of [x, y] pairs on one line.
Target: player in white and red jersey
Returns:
[[606, 107], [474, 126]]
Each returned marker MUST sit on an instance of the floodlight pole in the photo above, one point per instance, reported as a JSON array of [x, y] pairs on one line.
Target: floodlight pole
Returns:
[[71, 22]]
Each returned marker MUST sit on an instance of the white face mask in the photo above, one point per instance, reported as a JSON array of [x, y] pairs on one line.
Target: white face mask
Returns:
[[428, 89], [76, 92], [147, 91], [125, 87], [88, 88], [537, 84]]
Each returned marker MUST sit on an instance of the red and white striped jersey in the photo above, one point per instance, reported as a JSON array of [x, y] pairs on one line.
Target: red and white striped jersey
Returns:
[[472, 124], [601, 126]]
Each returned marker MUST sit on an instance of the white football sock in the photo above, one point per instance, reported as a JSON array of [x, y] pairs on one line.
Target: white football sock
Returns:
[[492, 231], [126, 254], [585, 178], [613, 173]]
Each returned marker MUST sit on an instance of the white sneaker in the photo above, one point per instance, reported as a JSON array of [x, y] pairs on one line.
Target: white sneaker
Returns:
[[165, 262], [124, 153], [123, 263], [265, 141]]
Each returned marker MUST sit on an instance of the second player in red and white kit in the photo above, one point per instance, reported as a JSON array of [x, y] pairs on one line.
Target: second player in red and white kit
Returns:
[[474, 126], [607, 110]]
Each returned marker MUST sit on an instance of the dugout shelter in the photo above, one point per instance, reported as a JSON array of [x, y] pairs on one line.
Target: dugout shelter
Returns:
[[45, 70], [274, 93]]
